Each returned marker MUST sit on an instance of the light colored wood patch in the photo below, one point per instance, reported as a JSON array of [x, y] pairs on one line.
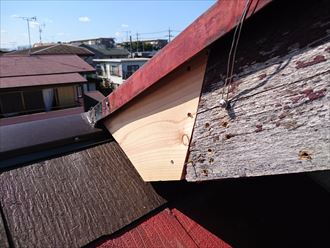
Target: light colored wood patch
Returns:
[[154, 130]]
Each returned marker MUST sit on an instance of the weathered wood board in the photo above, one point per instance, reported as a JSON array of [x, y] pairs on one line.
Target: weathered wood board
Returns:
[[154, 130], [278, 120], [72, 200], [3, 235]]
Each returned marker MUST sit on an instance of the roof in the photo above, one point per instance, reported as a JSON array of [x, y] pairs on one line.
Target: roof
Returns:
[[73, 198], [183, 232], [100, 38], [39, 135], [26, 81], [95, 94], [221, 18], [57, 49], [15, 66], [122, 60], [107, 51]]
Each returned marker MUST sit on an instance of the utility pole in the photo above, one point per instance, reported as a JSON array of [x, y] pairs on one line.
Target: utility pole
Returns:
[[137, 42], [130, 44], [169, 35], [28, 19]]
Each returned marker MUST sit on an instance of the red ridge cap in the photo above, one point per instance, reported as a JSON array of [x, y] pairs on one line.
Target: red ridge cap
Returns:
[[222, 17]]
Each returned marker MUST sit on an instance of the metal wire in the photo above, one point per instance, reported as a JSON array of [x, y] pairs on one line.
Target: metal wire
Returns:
[[233, 50]]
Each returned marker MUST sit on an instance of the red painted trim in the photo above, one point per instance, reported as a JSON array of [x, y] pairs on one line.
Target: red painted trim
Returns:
[[213, 24]]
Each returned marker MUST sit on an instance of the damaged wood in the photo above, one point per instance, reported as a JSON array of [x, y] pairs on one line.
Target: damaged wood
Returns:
[[278, 120]]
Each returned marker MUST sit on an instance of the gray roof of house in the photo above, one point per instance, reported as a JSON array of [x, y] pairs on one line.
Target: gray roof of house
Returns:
[[107, 51]]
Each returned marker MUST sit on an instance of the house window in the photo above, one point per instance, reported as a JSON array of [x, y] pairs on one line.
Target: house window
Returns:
[[11, 103], [100, 70], [130, 70], [114, 70], [33, 100]]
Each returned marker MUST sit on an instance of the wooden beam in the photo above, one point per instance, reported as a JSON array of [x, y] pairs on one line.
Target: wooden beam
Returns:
[[278, 120], [154, 130], [222, 17]]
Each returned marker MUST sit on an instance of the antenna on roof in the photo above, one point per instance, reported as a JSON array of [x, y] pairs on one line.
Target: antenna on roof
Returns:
[[41, 26], [28, 20]]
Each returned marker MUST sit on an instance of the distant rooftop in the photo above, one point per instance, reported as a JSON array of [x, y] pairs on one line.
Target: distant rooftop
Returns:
[[107, 51], [25, 71], [121, 60], [101, 38], [53, 49]]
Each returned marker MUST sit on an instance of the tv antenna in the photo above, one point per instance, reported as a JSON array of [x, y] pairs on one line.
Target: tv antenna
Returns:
[[28, 20], [41, 27]]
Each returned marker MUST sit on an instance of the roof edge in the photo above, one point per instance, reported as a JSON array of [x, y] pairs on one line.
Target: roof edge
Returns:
[[217, 21]]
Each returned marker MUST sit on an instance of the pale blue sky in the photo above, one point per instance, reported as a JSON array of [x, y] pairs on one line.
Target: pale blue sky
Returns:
[[71, 20]]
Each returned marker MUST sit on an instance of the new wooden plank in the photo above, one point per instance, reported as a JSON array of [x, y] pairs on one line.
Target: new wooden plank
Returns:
[[214, 23], [278, 120], [75, 199], [154, 130]]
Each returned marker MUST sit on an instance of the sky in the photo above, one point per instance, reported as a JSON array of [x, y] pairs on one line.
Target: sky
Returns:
[[73, 20]]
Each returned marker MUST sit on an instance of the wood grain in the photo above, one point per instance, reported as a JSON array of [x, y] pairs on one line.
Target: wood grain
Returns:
[[72, 200], [154, 130], [278, 120]]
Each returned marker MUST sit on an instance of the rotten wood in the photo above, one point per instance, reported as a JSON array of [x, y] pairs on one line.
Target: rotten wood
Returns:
[[278, 120], [75, 199], [155, 130]]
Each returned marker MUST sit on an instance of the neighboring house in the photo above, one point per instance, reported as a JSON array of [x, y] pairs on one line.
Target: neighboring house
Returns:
[[32, 84], [116, 71], [107, 42], [144, 45], [55, 49], [102, 52]]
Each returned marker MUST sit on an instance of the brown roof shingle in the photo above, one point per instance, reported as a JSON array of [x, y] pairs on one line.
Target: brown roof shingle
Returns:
[[15, 66], [57, 49], [26, 81]]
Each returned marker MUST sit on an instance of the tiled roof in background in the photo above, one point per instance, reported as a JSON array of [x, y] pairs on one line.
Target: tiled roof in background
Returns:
[[107, 51], [26, 81], [14, 66], [57, 49]]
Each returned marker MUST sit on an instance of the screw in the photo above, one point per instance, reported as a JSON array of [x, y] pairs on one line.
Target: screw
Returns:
[[223, 103]]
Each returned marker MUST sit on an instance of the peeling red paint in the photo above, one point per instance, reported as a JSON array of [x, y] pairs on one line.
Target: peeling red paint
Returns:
[[317, 59], [316, 94], [296, 98], [258, 128], [313, 95], [283, 115], [327, 49], [262, 76]]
